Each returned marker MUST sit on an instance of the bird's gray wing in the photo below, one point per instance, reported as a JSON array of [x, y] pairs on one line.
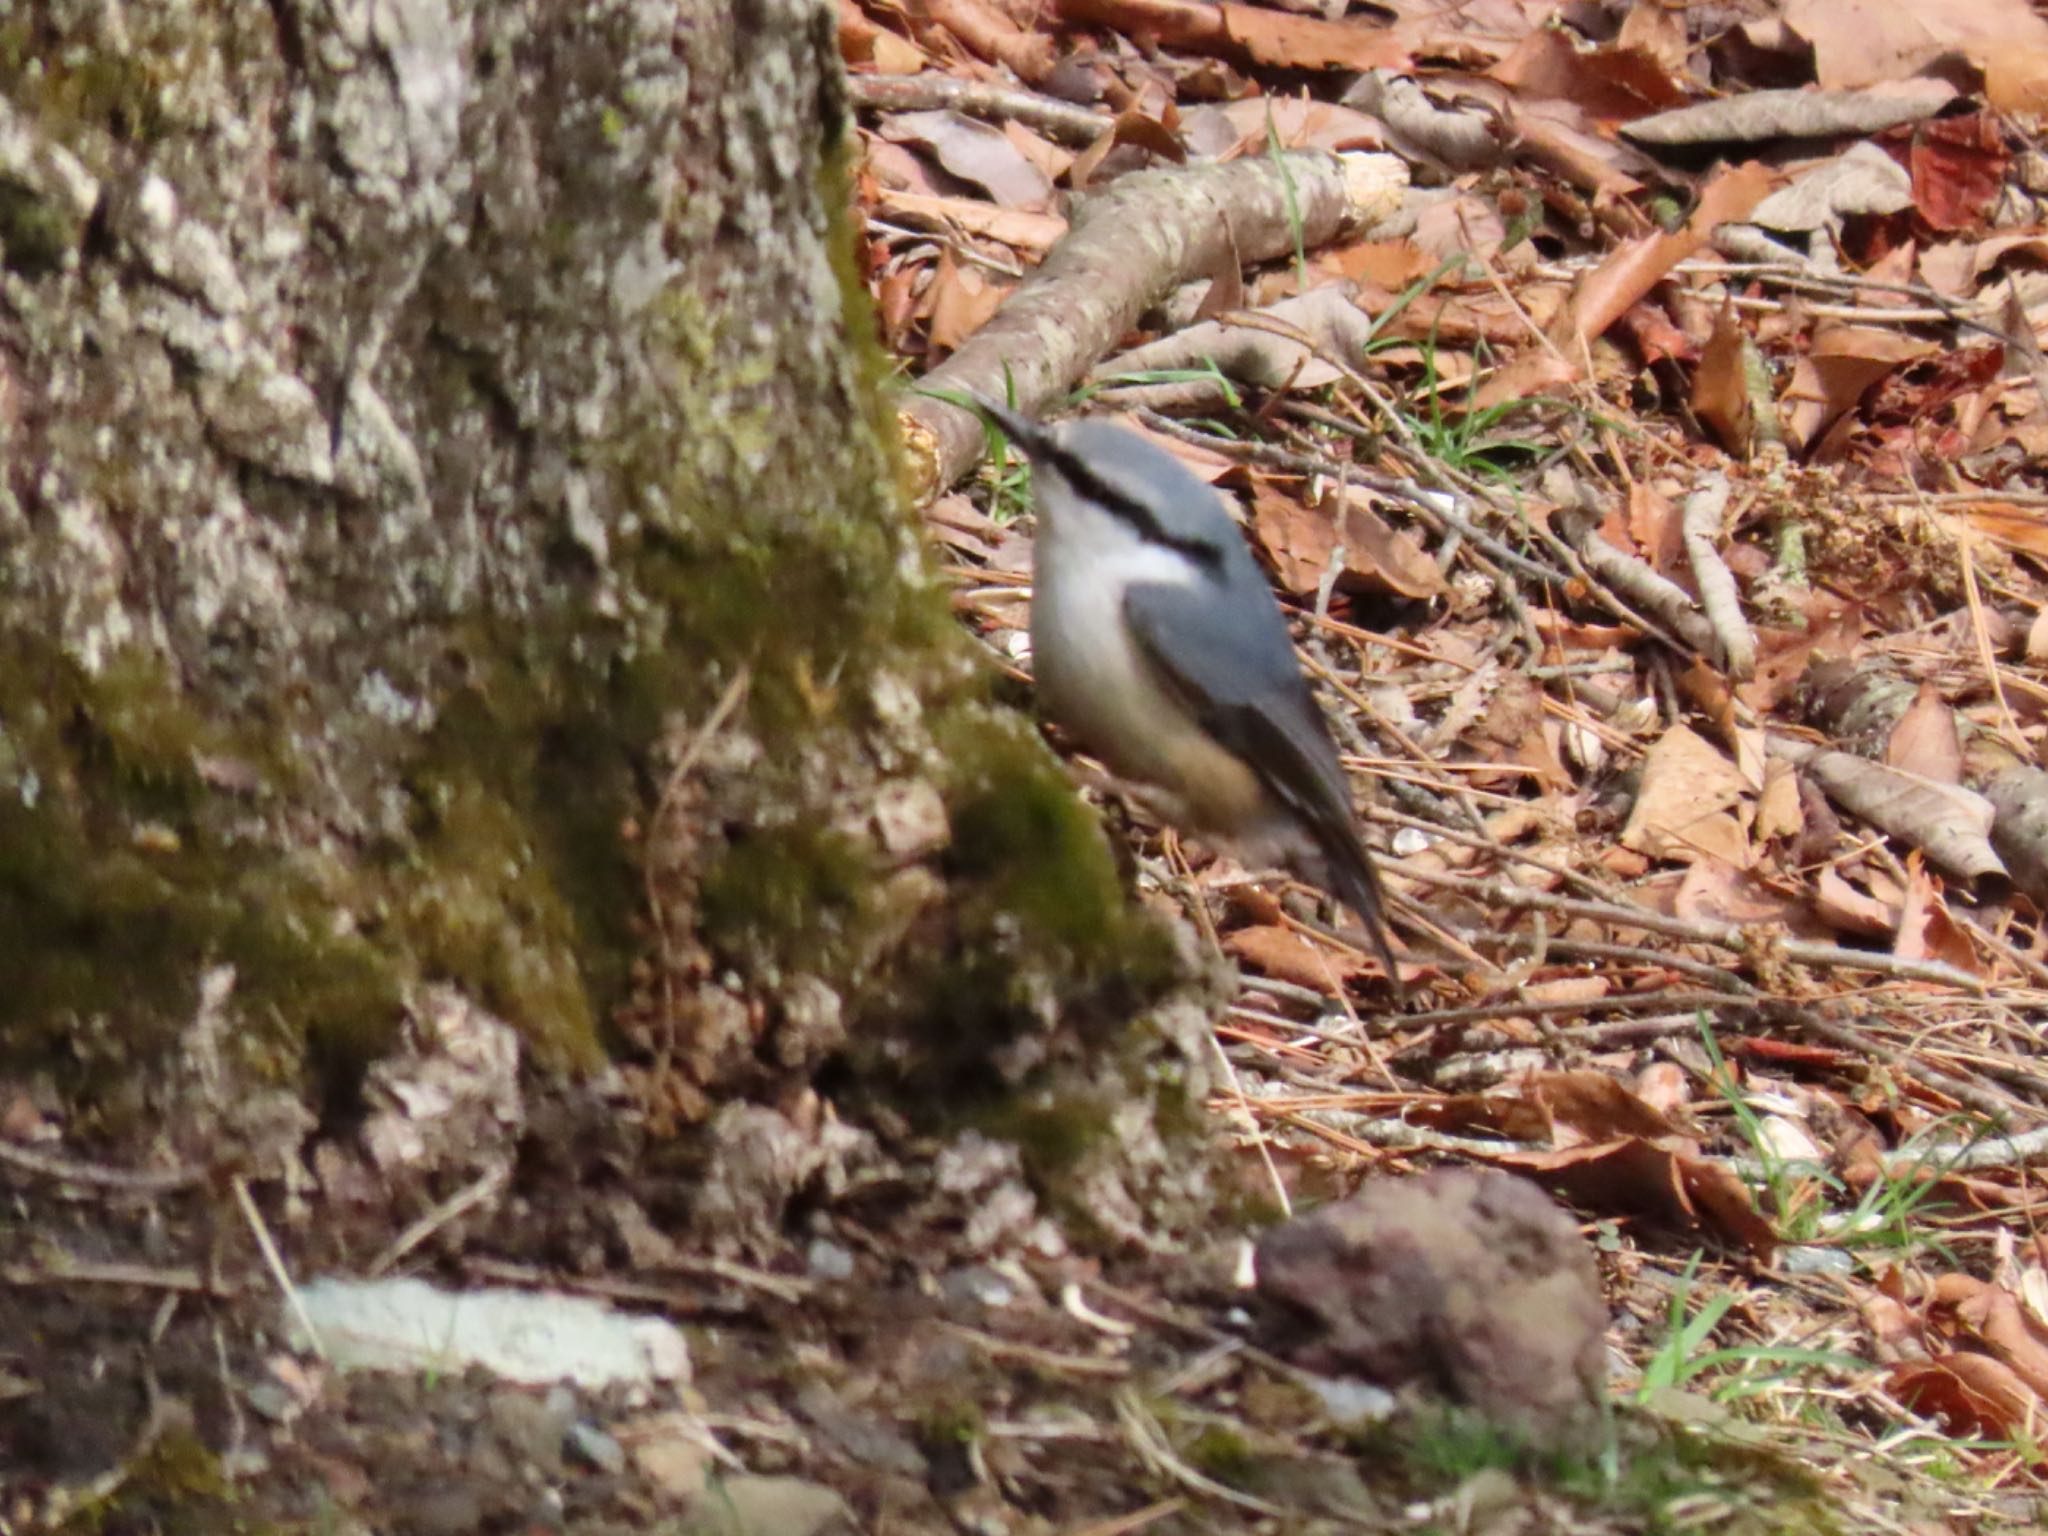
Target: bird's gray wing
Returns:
[[1239, 678]]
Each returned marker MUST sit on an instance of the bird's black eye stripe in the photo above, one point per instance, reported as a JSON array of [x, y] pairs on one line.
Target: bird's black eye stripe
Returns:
[[1118, 505]]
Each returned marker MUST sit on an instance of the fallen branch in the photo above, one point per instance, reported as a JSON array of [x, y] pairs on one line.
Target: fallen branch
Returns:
[[1128, 249], [1061, 120], [1720, 602], [1735, 937]]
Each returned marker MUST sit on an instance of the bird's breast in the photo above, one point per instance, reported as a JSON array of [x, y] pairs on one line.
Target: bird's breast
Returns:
[[1094, 682]]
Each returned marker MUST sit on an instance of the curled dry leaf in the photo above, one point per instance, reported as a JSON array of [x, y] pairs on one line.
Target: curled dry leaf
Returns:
[[1284, 345], [1950, 824], [1636, 1175], [1459, 137], [993, 36], [2019, 797], [1704, 513], [1720, 386], [1849, 910], [1035, 233], [1839, 369], [1971, 1394], [1242, 31], [1761, 117], [963, 296], [1778, 813], [1387, 556], [1612, 84], [1971, 1310], [1863, 179]]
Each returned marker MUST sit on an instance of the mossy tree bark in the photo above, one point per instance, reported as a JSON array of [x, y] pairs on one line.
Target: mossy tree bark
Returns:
[[416, 417]]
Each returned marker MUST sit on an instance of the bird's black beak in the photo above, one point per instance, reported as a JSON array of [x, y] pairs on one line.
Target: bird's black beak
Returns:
[[1028, 435]]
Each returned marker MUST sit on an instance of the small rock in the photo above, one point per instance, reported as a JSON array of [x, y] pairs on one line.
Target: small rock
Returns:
[[597, 1448], [826, 1260], [1465, 1283], [769, 1506]]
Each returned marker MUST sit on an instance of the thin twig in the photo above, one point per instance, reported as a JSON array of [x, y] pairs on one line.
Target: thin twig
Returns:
[[275, 1261], [157, 1182]]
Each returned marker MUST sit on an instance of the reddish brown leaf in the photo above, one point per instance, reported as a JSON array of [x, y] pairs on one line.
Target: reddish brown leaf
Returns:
[[1958, 166], [1925, 740], [1971, 1394], [1634, 1175], [1655, 336], [1285, 955], [1720, 388], [1309, 42], [1604, 294], [962, 299], [1849, 910], [1843, 364], [1926, 931], [1654, 527], [1596, 1107], [1613, 84], [1978, 1311], [1268, 37], [1388, 557], [1786, 1053]]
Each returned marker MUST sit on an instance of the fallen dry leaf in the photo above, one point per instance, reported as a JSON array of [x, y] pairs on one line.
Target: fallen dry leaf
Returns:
[[1849, 910], [1925, 740], [1635, 1175], [963, 297], [1603, 295], [1286, 956], [1970, 1394], [1870, 42], [1844, 362], [1958, 166], [978, 152], [1926, 931], [1612, 84], [1720, 386], [1951, 824], [1036, 233], [1760, 117], [1682, 810]]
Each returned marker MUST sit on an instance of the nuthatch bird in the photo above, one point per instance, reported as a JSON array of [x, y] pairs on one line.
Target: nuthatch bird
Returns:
[[1157, 643]]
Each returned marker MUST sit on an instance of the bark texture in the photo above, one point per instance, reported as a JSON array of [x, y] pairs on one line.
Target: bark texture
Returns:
[[450, 557]]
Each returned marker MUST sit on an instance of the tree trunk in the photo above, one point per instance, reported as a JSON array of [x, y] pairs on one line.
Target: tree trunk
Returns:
[[449, 542]]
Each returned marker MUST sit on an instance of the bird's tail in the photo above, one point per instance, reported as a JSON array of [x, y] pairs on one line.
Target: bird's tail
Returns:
[[1358, 883]]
